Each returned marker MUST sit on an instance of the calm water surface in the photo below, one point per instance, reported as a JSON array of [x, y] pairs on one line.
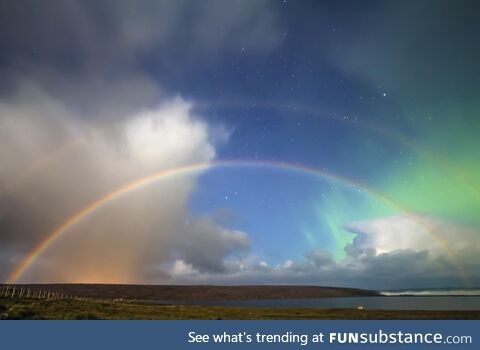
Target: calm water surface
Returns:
[[374, 303]]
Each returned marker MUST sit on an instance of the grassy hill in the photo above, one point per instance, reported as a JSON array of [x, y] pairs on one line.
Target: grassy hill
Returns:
[[183, 292]]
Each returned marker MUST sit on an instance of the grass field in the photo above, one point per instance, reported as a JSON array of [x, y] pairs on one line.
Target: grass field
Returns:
[[81, 310]]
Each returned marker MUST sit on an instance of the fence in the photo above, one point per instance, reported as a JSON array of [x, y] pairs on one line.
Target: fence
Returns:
[[17, 292]]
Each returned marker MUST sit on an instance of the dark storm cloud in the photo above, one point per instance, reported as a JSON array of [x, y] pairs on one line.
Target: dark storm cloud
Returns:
[[107, 58], [109, 37], [422, 50]]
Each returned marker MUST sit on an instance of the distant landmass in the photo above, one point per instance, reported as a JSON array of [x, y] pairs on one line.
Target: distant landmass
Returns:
[[449, 292], [202, 292], [165, 302]]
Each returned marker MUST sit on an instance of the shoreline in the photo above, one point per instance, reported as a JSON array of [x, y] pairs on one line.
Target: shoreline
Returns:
[[75, 310]]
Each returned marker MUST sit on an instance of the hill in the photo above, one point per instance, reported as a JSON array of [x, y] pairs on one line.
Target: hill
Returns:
[[196, 292]]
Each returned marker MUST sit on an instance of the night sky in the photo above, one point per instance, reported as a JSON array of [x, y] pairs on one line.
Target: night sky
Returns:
[[295, 142]]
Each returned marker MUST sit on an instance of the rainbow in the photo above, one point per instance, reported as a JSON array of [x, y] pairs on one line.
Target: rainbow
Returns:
[[91, 208], [390, 135]]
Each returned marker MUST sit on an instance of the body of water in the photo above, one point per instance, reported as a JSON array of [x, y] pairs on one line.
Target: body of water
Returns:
[[373, 303]]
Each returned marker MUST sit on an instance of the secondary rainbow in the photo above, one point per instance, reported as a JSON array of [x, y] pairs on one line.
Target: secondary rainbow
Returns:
[[369, 127], [200, 167]]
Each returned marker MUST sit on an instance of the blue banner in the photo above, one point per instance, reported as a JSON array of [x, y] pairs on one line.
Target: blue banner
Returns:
[[192, 335]]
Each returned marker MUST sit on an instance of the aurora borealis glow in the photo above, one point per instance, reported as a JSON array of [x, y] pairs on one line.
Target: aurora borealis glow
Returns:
[[350, 131]]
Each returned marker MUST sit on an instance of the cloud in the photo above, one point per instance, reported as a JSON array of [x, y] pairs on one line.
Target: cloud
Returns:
[[319, 258], [419, 232], [181, 268], [168, 135], [206, 246], [111, 38], [63, 162], [372, 260], [86, 107], [88, 103], [410, 60], [395, 270], [287, 264], [149, 235]]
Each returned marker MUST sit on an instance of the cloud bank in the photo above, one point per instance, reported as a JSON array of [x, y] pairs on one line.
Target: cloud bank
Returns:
[[386, 253]]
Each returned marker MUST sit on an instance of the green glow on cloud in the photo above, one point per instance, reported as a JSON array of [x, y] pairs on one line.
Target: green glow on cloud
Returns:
[[338, 207]]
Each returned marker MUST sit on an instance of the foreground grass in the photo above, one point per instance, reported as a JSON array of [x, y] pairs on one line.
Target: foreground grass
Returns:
[[77, 310]]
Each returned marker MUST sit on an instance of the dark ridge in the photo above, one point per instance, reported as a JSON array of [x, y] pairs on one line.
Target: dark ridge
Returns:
[[199, 292]]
